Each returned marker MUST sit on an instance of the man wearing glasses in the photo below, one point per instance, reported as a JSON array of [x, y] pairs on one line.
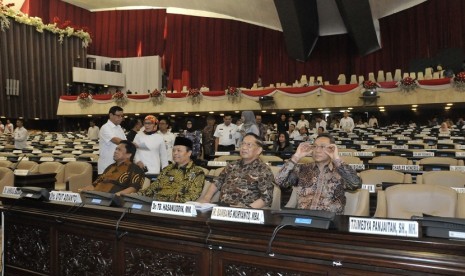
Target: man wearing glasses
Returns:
[[111, 134], [247, 182], [321, 185]]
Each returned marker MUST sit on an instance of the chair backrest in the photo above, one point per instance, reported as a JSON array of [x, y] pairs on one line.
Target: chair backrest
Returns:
[[342, 79], [405, 201], [206, 186], [292, 203], [460, 205], [371, 77], [442, 178], [275, 169], [228, 158], [353, 79], [439, 160], [146, 184], [27, 165], [357, 203], [380, 77], [270, 158], [217, 171], [53, 167], [5, 164], [397, 75], [351, 160], [395, 160], [7, 178], [380, 176], [276, 203], [79, 174]]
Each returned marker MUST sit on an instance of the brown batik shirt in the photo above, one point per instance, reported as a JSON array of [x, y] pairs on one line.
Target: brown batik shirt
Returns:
[[319, 190]]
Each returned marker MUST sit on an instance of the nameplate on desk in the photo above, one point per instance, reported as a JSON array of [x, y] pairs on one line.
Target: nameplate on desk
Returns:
[[337, 142], [69, 159], [386, 142], [370, 187], [429, 138], [36, 151], [76, 152], [219, 153], [3, 158], [399, 147], [171, 208], [21, 172], [13, 191], [367, 147], [357, 167], [448, 141], [46, 158], [341, 146], [460, 153], [443, 134], [77, 143], [363, 153], [217, 163], [457, 168], [238, 215], [404, 228], [17, 151], [58, 147], [80, 147], [96, 147], [459, 190], [415, 142], [56, 152], [405, 167], [345, 153], [360, 142], [69, 197], [423, 154], [96, 152]]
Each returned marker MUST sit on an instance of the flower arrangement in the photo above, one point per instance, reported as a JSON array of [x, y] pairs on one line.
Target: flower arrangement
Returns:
[[407, 84], [85, 99], [63, 29], [370, 85], [157, 97], [120, 98], [458, 82], [234, 94], [194, 96]]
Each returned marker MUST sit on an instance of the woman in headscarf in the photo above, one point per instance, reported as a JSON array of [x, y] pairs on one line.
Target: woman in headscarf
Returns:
[[195, 136], [249, 125], [151, 150]]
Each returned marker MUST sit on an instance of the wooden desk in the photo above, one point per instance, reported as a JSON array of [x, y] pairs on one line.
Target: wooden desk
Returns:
[[50, 239], [43, 180]]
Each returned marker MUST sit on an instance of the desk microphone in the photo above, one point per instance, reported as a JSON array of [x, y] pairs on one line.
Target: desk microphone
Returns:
[[19, 161]]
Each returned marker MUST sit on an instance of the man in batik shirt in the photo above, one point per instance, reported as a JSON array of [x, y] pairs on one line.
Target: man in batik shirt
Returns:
[[321, 185], [178, 182], [247, 182]]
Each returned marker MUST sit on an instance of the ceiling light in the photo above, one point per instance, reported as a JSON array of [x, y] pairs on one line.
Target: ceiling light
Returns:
[[222, 114], [161, 113], [172, 115], [414, 109], [89, 115], [447, 108], [137, 114], [274, 113], [326, 111], [307, 111], [197, 115], [36, 118], [211, 112], [381, 107], [350, 108], [237, 111], [291, 110], [186, 113], [320, 109], [450, 104], [414, 105], [263, 111]]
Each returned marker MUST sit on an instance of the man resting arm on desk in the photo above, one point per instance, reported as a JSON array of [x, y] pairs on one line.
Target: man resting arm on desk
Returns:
[[321, 185], [181, 181], [247, 182], [121, 177]]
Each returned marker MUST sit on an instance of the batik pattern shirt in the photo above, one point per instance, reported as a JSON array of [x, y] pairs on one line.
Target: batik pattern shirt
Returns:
[[241, 184], [116, 178], [177, 184], [208, 140], [319, 190]]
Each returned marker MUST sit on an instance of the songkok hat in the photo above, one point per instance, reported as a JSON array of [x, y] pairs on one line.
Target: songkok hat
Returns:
[[151, 118], [183, 141]]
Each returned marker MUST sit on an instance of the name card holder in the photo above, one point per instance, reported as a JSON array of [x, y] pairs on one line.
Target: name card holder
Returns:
[[46, 159], [403, 228], [367, 147], [58, 147], [415, 142], [243, 215], [460, 153], [360, 142], [370, 187], [21, 172], [423, 154], [69, 159], [399, 147], [221, 153], [3, 158], [363, 153], [357, 167], [459, 190], [56, 152], [386, 142], [345, 153], [217, 163], [36, 151], [76, 152], [69, 197], [406, 168], [457, 168], [170, 208], [12, 191], [17, 151], [341, 146], [338, 142]]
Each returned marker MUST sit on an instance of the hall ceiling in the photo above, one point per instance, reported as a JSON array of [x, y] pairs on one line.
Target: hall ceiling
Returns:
[[258, 12]]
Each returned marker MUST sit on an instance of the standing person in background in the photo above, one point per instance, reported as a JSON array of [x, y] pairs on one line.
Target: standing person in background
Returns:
[[373, 121], [20, 135], [195, 136], [93, 131], [225, 135], [151, 150], [290, 120], [249, 125], [2, 127], [262, 128], [283, 124], [8, 127], [168, 137], [347, 123], [320, 123], [135, 124], [208, 140], [111, 134], [302, 122]]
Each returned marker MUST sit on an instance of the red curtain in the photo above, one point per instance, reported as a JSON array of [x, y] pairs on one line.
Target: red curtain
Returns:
[[215, 52]]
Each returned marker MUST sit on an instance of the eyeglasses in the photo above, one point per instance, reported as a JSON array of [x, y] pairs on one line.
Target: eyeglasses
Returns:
[[248, 145], [317, 147]]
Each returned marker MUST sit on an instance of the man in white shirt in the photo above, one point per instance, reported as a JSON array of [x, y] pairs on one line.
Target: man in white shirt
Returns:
[[168, 137], [8, 127], [110, 135], [302, 122], [290, 120], [20, 135], [93, 131], [320, 123], [347, 123], [2, 127], [373, 121], [225, 134]]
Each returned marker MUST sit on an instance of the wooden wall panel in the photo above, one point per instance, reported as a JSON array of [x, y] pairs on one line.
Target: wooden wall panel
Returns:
[[43, 67]]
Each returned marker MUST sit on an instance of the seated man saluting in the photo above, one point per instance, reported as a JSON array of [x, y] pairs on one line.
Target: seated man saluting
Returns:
[[321, 184], [121, 177], [178, 182], [247, 182]]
